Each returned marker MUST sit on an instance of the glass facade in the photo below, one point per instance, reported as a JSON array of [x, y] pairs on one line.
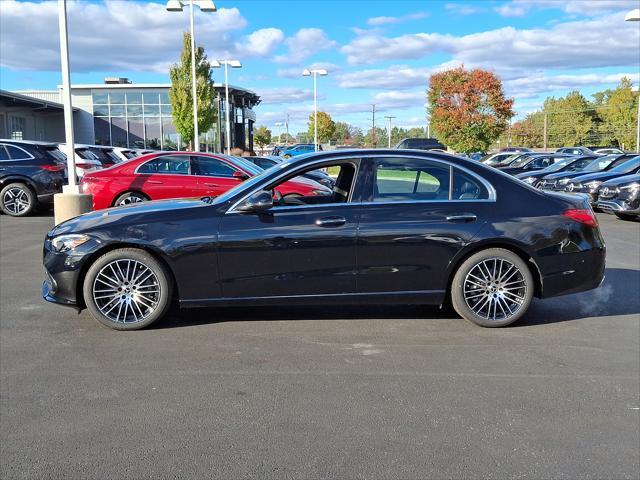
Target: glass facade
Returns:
[[141, 118]]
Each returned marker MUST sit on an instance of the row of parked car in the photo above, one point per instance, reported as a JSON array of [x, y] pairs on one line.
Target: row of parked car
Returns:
[[32, 172], [610, 180]]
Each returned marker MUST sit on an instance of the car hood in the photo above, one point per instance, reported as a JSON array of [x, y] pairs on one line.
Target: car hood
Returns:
[[601, 176], [533, 173], [134, 212], [622, 180], [561, 175]]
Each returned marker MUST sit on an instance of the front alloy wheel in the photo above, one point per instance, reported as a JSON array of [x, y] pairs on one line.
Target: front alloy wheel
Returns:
[[127, 289], [492, 288], [17, 200]]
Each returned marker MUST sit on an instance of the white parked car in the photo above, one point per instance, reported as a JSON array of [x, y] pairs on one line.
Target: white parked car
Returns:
[[85, 159], [607, 151], [124, 153]]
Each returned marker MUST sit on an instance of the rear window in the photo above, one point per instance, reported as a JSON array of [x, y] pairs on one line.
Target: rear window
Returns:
[[56, 154]]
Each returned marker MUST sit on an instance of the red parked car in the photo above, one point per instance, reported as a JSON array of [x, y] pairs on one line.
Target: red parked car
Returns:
[[165, 175]]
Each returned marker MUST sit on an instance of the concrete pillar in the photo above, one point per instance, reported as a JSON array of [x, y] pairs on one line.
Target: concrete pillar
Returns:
[[70, 204]]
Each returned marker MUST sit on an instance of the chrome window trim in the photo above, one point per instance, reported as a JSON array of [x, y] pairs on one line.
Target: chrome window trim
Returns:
[[490, 188], [29, 156]]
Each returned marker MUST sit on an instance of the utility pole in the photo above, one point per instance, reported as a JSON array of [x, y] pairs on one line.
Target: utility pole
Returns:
[[373, 123], [389, 118], [546, 115], [286, 123]]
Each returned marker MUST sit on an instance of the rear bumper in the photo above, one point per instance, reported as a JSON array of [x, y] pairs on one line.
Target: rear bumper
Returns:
[[574, 272]]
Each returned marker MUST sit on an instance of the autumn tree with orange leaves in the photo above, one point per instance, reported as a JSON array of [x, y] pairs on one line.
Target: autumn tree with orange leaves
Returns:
[[468, 108]]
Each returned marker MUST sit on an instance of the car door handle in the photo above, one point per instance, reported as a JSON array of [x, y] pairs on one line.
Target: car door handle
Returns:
[[155, 182], [462, 217], [330, 221], [212, 185]]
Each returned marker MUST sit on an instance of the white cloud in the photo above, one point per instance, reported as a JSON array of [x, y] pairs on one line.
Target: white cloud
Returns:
[[285, 95], [399, 100], [576, 44], [305, 43], [377, 21], [461, 8], [518, 8], [537, 83], [397, 76], [120, 36]]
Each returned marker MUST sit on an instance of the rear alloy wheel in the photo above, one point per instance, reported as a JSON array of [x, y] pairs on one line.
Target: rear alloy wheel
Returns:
[[492, 288], [129, 198], [127, 289], [17, 200]]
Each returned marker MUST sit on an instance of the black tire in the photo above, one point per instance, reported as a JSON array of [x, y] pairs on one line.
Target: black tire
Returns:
[[126, 295], [626, 216], [18, 200], [129, 198], [488, 280]]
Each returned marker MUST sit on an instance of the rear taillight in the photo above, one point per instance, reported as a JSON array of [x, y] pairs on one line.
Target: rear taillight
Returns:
[[86, 166], [582, 215], [52, 168]]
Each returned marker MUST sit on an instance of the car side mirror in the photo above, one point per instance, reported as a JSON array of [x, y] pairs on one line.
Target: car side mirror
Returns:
[[258, 202], [238, 175]]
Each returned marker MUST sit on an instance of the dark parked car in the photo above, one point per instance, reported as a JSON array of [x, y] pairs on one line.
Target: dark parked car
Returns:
[[575, 150], [510, 158], [30, 174], [400, 227], [515, 149], [621, 196], [421, 144], [319, 176], [558, 181], [495, 158], [530, 163], [570, 163], [589, 183]]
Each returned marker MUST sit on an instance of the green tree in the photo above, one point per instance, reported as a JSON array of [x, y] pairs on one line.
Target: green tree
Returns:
[[468, 108], [180, 93], [569, 120], [527, 132], [343, 132], [326, 127], [262, 136], [618, 111]]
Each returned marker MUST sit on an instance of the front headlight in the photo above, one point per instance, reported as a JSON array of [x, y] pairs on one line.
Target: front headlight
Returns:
[[529, 180], [592, 185], [564, 181], [632, 187], [64, 243]]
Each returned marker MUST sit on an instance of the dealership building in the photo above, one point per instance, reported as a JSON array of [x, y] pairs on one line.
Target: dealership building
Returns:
[[123, 114]]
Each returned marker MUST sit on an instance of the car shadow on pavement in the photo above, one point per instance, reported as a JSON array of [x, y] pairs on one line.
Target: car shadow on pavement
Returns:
[[618, 295]]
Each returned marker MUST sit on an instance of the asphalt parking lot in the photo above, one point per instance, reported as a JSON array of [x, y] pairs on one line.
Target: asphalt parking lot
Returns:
[[403, 392]]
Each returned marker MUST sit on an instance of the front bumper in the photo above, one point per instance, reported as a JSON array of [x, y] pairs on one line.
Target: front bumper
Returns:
[[617, 205]]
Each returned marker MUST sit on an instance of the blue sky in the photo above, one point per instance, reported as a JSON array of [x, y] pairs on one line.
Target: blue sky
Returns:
[[378, 52]]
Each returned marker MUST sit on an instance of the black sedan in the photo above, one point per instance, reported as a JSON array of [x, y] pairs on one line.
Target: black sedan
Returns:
[[567, 164], [402, 227], [589, 183], [531, 163], [558, 181], [621, 196]]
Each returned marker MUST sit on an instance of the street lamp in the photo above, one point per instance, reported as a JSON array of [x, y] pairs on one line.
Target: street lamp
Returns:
[[227, 64], [389, 118], [428, 116], [315, 72], [205, 6], [633, 15]]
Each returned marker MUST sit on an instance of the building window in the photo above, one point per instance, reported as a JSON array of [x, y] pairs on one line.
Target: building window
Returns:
[[17, 126]]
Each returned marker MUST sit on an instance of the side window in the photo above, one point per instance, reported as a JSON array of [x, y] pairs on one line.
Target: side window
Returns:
[[213, 167], [169, 165], [264, 163], [3, 154], [409, 179], [17, 153], [466, 187]]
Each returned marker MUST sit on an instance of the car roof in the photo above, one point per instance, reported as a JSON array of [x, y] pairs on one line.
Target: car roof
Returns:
[[29, 142]]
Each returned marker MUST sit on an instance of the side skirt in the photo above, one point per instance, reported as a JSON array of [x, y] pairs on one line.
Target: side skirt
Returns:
[[420, 297]]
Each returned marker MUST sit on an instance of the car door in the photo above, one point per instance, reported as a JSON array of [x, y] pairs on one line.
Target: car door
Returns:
[[167, 176], [416, 219], [292, 250], [214, 176]]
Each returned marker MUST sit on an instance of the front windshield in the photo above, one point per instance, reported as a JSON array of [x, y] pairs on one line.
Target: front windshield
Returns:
[[509, 159], [627, 166], [521, 161], [246, 165], [559, 165], [600, 163]]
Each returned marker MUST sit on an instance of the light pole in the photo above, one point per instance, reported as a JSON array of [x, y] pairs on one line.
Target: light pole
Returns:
[[315, 72], [389, 118], [205, 6], [634, 16], [70, 203], [428, 117], [227, 64]]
